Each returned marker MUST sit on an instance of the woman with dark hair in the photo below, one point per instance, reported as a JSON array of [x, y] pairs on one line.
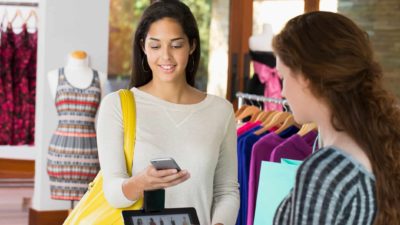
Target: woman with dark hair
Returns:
[[173, 119], [330, 77]]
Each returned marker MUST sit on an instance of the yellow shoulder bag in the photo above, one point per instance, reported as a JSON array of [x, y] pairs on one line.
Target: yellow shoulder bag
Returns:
[[93, 208]]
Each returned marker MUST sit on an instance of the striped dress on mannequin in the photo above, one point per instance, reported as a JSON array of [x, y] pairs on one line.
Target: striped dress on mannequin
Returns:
[[72, 160]]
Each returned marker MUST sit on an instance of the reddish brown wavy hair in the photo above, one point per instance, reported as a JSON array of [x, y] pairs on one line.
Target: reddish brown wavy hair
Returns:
[[336, 56]]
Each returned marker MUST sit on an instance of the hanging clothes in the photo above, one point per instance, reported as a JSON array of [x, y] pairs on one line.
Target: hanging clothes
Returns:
[[264, 64], [270, 78], [31, 98], [295, 147], [21, 116], [17, 86], [72, 161], [245, 143], [271, 148], [267, 58], [2, 93], [255, 147], [246, 127], [7, 106]]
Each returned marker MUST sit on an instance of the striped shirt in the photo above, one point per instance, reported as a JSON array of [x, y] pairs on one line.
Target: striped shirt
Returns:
[[331, 188]]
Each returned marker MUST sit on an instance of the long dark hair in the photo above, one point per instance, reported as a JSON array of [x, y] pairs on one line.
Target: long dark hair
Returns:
[[336, 56], [141, 73]]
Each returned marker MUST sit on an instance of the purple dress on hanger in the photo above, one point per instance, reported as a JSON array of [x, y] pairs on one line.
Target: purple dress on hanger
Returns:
[[261, 152], [295, 147]]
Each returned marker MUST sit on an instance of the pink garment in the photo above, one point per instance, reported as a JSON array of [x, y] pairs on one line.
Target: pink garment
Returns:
[[247, 126], [269, 77]]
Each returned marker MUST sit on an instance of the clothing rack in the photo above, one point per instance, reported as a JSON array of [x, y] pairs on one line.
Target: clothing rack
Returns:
[[27, 4], [242, 96]]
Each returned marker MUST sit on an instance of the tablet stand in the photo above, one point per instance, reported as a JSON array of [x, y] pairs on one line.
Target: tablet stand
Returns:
[[154, 200]]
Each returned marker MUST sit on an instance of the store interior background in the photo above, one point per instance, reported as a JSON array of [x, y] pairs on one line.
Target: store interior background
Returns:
[[104, 30]]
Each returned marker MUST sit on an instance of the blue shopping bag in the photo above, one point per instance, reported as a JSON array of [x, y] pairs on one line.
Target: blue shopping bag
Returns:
[[291, 161], [276, 181]]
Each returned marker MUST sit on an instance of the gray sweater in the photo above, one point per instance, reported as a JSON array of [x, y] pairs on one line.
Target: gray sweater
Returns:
[[331, 188], [200, 137]]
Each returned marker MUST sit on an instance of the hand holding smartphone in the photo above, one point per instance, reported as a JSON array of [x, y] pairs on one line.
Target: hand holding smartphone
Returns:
[[165, 163]]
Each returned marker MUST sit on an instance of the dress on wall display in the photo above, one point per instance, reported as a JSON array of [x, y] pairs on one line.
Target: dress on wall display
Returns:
[[17, 86], [72, 161]]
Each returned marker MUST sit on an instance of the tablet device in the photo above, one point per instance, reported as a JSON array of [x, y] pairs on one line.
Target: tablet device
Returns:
[[177, 216]]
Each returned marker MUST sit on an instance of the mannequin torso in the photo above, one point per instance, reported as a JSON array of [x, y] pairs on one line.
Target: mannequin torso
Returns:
[[77, 72], [262, 42]]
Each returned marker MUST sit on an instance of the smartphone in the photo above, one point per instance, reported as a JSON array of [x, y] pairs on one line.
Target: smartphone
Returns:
[[165, 163]]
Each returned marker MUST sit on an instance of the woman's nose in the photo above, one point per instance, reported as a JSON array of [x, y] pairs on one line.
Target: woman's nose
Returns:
[[166, 53]]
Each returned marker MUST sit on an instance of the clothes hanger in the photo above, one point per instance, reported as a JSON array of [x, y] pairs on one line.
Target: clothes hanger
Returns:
[[249, 111], [33, 18], [239, 111], [289, 121], [29, 16], [276, 121], [267, 119], [4, 20], [17, 13], [256, 115], [264, 115], [306, 128], [17, 28]]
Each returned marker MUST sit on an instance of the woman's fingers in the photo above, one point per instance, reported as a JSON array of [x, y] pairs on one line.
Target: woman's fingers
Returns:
[[165, 178], [172, 181], [178, 180], [161, 173], [178, 176]]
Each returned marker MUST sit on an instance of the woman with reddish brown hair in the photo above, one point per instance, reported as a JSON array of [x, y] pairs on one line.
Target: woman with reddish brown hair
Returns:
[[330, 77]]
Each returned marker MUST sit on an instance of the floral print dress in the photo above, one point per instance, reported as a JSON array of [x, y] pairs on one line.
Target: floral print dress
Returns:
[[17, 86]]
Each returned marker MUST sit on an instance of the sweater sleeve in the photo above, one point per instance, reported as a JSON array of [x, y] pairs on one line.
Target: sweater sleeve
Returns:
[[226, 188], [110, 148], [323, 185]]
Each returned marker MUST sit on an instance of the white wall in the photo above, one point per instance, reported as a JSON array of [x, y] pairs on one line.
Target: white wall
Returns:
[[64, 26]]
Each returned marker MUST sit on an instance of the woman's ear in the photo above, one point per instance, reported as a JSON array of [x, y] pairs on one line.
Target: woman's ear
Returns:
[[193, 47], [142, 46], [304, 81]]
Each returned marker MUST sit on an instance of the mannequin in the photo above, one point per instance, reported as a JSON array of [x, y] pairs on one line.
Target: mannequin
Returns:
[[77, 72], [72, 160], [264, 63], [262, 42]]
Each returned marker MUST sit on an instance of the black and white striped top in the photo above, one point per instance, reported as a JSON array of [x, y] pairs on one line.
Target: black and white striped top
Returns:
[[331, 188]]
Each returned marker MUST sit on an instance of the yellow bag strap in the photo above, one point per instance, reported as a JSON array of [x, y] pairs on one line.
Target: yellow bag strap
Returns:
[[129, 120]]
